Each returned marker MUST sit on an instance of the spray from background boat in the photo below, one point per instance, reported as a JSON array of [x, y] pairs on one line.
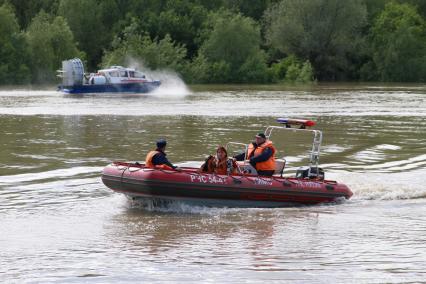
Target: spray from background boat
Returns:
[[171, 83]]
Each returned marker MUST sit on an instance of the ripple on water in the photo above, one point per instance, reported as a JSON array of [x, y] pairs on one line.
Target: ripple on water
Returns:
[[46, 190], [334, 102]]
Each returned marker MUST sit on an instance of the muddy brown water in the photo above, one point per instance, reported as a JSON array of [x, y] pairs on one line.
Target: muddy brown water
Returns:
[[60, 224]]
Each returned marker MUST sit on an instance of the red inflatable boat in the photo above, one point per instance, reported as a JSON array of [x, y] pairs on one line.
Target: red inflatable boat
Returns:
[[192, 187], [245, 189]]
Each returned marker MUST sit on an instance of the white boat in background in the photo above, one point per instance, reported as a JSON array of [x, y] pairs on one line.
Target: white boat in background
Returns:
[[115, 79]]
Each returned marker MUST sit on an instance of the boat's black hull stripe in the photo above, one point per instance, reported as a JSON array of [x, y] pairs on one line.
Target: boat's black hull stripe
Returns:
[[167, 188]]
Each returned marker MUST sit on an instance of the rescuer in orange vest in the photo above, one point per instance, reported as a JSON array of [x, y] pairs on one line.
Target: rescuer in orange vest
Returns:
[[157, 159], [261, 155]]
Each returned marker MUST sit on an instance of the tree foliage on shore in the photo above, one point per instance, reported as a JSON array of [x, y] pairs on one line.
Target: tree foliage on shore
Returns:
[[50, 40], [224, 41], [13, 51], [325, 32], [398, 38]]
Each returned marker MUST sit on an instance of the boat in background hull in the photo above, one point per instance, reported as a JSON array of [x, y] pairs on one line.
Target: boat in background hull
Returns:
[[144, 87]]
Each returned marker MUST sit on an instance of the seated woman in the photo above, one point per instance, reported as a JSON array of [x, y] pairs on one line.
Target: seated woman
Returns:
[[219, 164]]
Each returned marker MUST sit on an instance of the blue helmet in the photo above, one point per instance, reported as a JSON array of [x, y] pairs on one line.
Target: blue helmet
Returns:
[[161, 143]]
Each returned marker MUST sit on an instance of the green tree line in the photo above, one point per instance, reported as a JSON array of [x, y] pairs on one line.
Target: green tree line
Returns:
[[222, 41]]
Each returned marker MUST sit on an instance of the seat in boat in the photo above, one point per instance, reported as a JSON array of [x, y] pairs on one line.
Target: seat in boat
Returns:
[[279, 166]]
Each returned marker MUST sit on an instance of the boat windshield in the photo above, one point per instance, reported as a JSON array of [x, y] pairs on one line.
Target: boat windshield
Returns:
[[136, 74], [113, 74]]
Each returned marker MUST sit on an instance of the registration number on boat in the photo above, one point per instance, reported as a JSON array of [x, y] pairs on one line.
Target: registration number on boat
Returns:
[[207, 179]]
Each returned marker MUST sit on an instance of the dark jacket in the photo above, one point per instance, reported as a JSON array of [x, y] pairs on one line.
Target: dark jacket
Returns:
[[161, 159]]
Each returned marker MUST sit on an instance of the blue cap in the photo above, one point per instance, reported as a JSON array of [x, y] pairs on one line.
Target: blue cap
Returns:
[[161, 143]]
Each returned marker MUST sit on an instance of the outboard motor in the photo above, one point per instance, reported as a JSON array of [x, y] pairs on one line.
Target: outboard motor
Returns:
[[73, 72], [310, 173]]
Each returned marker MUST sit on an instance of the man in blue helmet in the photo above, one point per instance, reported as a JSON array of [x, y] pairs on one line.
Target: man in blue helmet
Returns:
[[157, 158]]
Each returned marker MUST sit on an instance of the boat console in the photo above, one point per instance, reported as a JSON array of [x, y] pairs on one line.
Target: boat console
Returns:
[[312, 171]]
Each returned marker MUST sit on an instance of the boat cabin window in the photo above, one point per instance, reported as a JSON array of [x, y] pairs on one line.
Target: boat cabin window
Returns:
[[113, 74], [137, 74], [123, 74]]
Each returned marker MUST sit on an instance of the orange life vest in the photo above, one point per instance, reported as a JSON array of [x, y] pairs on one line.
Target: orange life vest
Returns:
[[149, 164], [222, 167], [268, 165]]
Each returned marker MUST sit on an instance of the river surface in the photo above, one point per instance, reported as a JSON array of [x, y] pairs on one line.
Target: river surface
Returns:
[[60, 224]]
